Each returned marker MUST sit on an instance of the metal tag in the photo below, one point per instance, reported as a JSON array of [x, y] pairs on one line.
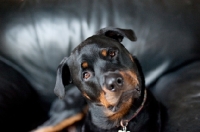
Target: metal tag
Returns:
[[124, 130]]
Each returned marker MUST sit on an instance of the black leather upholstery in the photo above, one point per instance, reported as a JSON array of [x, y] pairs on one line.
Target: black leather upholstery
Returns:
[[36, 34]]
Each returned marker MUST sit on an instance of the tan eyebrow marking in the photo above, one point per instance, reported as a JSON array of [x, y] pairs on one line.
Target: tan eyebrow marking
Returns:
[[104, 52], [84, 65]]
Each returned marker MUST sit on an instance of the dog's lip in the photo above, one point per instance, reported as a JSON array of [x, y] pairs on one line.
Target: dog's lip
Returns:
[[112, 108], [98, 104]]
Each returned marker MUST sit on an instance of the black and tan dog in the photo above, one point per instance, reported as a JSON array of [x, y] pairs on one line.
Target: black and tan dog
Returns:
[[112, 82]]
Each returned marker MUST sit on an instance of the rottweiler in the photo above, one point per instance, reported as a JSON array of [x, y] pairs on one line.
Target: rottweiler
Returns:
[[112, 82]]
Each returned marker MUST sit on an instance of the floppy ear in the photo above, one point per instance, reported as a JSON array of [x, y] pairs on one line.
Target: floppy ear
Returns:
[[63, 78], [117, 33]]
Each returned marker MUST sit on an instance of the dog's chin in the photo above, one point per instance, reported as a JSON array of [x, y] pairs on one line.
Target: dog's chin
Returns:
[[124, 98], [112, 115]]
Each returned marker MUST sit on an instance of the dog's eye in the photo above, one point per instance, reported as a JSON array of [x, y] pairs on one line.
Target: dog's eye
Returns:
[[112, 53], [86, 75]]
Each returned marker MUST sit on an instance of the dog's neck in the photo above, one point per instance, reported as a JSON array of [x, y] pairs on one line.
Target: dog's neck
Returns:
[[99, 119], [124, 122]]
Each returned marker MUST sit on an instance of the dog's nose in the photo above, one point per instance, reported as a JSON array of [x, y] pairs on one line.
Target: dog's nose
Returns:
[[113, 82]]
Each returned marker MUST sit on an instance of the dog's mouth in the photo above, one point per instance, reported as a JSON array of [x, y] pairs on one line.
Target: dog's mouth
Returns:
[[117, 110], [120, 101]]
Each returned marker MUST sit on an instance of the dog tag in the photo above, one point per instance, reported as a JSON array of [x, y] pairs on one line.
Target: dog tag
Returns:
[[124, 130]]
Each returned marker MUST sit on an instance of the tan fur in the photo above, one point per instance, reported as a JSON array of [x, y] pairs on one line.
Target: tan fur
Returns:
[[84, 65], [130, 77], [122, 111], [104, 52], [103, 100], [65, 123], [85, 95]]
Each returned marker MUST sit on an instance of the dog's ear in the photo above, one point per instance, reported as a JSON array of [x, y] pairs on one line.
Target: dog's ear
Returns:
[[63, 78], [117, 33]]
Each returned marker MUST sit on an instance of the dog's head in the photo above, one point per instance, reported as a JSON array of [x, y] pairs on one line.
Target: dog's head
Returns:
[[105, 72]]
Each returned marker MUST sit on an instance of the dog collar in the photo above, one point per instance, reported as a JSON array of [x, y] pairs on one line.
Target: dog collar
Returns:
[[124, 123]]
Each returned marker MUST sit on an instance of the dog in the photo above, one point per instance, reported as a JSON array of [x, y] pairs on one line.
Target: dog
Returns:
[[112, 82]]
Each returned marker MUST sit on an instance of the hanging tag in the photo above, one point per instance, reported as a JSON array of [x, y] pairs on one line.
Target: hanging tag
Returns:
[[123, 130], [123, 123]]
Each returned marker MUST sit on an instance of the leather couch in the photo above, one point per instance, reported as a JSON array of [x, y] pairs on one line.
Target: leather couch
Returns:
[[35, 35]]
